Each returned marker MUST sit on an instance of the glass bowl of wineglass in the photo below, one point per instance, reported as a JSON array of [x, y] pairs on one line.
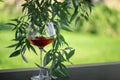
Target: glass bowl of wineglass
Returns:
[[41, 36]]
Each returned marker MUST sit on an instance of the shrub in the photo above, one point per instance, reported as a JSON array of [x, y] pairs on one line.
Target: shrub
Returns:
[[103, 21]]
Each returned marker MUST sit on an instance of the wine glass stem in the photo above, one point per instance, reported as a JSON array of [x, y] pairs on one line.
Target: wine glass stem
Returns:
[[41, 57], [41, 65]]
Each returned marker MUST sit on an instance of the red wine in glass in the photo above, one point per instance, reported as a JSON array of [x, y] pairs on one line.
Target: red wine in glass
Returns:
[[41, 42]]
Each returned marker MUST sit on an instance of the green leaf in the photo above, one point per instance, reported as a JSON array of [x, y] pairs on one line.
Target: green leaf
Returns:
[[23, 49], [33, 49], [42, 1], [62, 38], [22, 38], [56, 44], [14, 27], [24, 6], [70, 54], [24, 58], [13, 45], [60, 57], [15, 53], [27, 44], [90, 5], [57, 73], [54, 65], [68, 48], [84, 16], [77, 21], [30, 47], [65, 52], [19, 45], [47, 58], [74, 3], [11, 24], [16, 20], [39, 66], [74, 14], [66, 28], [64, 69]]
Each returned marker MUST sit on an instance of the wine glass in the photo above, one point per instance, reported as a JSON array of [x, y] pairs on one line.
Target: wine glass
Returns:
[[40, 37]]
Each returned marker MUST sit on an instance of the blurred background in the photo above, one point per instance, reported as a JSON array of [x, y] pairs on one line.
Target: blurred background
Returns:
[[95, 41]]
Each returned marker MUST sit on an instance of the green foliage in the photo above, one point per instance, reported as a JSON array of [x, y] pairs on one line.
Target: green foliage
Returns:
[[103, 21], [38, 13], [89, 49]]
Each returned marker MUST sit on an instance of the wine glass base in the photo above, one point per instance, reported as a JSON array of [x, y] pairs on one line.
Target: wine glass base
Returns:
[[40, 78], [35, 78]]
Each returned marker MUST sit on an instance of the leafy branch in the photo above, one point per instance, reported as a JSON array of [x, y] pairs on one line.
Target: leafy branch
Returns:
[[38, 12]]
